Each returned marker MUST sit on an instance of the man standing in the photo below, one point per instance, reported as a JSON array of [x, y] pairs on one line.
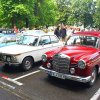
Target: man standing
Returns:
[[63, 32], [57, 31]]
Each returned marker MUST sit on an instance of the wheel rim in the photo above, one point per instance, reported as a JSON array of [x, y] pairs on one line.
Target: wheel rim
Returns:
[[93, 76], [28, 64]]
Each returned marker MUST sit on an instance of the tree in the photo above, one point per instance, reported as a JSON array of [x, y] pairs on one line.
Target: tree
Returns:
[[64, 10], [17, 12], [45, 12], [96, 16]]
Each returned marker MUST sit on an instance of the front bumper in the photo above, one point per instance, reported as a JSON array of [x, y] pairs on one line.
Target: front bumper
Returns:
[[9, 63], [66, 76]]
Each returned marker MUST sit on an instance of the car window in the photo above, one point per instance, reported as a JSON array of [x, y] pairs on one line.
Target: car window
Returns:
[[83, 40], [28, 40], [54, 39], [44, 40]]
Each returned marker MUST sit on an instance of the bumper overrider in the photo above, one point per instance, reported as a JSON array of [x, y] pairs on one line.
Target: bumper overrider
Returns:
[[66, 76]]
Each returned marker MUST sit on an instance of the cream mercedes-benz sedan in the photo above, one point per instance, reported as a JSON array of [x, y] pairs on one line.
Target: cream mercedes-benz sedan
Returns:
[[29, 49]]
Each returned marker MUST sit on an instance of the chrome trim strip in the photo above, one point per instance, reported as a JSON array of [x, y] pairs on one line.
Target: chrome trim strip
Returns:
[[67, 76]]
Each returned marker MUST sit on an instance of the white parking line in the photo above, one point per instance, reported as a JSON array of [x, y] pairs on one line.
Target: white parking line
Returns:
[[96, 95], [5, 84], [13, 81], [26, 75]]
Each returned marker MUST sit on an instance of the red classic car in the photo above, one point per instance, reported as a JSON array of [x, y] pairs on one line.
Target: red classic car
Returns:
[[78, 60]]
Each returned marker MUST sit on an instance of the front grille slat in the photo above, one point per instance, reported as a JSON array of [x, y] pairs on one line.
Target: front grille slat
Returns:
[[61, 63]]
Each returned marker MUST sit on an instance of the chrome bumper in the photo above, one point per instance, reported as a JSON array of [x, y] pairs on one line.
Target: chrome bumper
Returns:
[[66, 76], [9, 63]]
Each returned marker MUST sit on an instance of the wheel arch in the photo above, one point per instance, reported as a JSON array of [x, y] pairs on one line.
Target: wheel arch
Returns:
[[28, 57]]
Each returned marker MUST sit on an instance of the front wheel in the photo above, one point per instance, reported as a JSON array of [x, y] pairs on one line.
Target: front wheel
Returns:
[[93, 77], [27, 63]]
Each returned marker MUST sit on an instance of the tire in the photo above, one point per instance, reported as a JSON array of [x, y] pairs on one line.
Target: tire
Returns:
[[93, 78], [27, 64]]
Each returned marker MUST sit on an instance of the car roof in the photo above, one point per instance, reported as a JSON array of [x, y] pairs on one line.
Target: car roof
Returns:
[[36, 33], [89, 33]]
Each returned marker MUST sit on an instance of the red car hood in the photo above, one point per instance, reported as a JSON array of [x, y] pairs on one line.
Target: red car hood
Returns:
[[75, 52], [78, 52]]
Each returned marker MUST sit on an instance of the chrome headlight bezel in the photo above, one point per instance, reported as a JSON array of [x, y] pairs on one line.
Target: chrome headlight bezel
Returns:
[[13, 59], [44, 57], [9, 58], [81, 64]]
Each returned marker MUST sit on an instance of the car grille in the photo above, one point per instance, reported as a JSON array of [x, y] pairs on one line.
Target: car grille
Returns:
[[61, 63]]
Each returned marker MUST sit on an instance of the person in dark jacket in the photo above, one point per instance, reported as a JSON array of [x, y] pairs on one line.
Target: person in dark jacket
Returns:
[[63, 32], [57, 31]]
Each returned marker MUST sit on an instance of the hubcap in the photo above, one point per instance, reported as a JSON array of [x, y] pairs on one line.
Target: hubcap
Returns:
[[93, 76], [27, 64]]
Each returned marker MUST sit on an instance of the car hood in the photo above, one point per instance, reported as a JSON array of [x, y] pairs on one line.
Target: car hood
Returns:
[[16, 49], [78, 52]]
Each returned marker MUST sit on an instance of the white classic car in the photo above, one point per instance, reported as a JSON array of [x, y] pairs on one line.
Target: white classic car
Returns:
[[29, 49]]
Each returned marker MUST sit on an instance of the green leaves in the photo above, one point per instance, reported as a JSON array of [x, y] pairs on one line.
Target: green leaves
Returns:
[[30, 13]]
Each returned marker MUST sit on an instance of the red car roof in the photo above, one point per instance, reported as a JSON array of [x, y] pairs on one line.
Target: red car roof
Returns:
[[89, 33]]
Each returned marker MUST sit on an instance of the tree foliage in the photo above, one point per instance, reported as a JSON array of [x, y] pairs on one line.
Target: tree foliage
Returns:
[[16, 12], [30, 13], [96, 16]]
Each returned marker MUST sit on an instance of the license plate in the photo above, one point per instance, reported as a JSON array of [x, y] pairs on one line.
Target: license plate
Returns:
[[58, 75]]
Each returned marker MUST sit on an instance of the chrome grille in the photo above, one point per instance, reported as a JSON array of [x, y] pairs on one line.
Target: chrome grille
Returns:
[[61, 63]]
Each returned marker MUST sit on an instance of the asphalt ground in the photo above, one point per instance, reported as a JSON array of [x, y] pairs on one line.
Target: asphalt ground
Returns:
[[35, 85]]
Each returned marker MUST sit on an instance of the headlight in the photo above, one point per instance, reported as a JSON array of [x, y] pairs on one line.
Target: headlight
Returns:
[[4, 58], [44, 58], [8, 58], [81, 64], [13, 59]]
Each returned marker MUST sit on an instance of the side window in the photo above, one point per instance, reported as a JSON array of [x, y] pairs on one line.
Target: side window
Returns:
[[54, 39], [44, 40]]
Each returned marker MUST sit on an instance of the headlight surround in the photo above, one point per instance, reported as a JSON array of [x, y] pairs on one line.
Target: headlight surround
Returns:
[[44, 58], [13, 59], [81, 64], [9, 58]]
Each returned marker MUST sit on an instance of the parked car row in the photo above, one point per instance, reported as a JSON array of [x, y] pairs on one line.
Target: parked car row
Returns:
[[28, 49], [78, 59]]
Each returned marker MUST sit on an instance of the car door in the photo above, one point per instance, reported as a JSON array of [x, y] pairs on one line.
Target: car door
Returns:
[[44, 45]]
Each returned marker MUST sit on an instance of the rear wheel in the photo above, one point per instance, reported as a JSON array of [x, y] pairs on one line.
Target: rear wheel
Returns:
[[27, 63], [93, 77]]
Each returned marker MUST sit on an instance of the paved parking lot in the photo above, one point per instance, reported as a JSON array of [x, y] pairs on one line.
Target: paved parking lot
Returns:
[[35, 85]]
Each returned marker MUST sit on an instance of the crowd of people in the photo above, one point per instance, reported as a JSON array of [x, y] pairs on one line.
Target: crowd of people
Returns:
[[63, 32]]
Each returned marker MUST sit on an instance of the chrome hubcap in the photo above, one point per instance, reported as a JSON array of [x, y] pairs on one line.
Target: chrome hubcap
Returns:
[[27, 64], [93, 76]]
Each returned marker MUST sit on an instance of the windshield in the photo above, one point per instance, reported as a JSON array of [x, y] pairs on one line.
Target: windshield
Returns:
[[83, 40], [28, 40]]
